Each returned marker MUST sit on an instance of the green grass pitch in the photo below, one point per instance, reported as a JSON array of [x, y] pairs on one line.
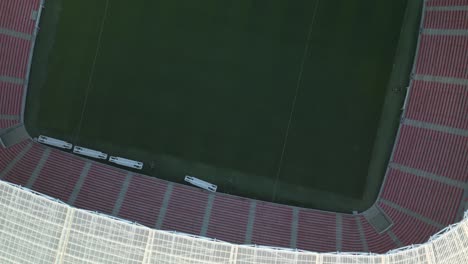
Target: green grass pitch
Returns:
[[280, 100]]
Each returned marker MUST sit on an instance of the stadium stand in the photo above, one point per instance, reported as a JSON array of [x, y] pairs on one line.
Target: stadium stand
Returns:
[[439, 103], [352, 241], [446, 3], [185, 210], [426, 197], [19, 15], [143, 200], [100, 189], [51, 178], [5, 122], [10, 99], [376, 242], [408, 229], [14, 53], [8, 156], [436, 19], [314, 224], [442, 55], [432, 151], [18, 19], [228, 224], [424, 190], [23, 170], [272, 225]]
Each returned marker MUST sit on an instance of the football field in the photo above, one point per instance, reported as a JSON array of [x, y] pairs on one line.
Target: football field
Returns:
[[287, 101]]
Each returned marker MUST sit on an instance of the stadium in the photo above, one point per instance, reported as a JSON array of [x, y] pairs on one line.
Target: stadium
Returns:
[[57, 207]]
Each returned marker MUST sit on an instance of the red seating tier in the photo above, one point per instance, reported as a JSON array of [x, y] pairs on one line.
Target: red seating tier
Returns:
[[9, 154], [143, 200], [229, 217], [447, 3], [316, 231], [351, 238], [446, 19], [185, 210], [440, 153], [59, 175], [21, 173], [434, 200], [409, 230], [439, 103], [443, 55], [272, 225], [100, 189], [11, 96], [16, 15], [14, 53], [7, 123], [377, 243]]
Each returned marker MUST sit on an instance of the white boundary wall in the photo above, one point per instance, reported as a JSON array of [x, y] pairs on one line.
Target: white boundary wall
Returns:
[[36, 229]]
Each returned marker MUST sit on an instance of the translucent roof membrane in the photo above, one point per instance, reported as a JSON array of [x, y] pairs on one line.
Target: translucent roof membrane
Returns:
[[37, 229]]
